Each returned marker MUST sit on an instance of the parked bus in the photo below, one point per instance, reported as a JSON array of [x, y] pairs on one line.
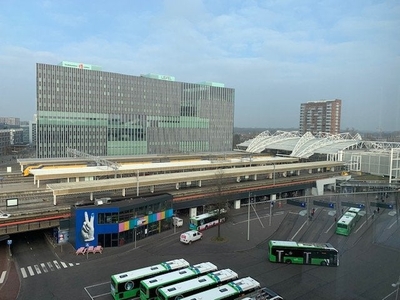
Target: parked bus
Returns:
[[303, 253], [356, 211], [231, 290], [347, 222], [126, 285], [196, 285], [262, 294], [149, 287], [207, 220]]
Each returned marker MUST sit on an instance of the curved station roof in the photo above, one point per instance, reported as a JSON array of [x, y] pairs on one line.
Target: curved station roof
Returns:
[[304, 146]]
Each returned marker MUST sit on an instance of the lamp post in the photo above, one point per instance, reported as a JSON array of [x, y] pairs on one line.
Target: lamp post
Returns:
[[135, 237], [248, 218], [397, 285], [274, 174]]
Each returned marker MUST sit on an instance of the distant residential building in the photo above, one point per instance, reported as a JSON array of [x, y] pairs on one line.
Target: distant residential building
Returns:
[[5, 141], [10, 121], [320, 116], [25, 134], [102, 113], [32, 131]]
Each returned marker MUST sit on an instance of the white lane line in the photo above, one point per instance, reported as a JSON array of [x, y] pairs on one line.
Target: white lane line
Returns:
[[38, 271], [3, 276], [30, 270], [330, 227], [57, 264], [64, 264], [50, 266], [71, 264], [44, 267], [305, 222], [24, 275], [391, 225]]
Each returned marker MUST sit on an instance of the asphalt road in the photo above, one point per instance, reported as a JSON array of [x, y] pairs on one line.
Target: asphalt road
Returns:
[[369, 258]]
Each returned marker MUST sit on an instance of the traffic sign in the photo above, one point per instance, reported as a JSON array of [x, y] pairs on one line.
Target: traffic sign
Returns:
[[9, 242], [296, 202], [324, 204]]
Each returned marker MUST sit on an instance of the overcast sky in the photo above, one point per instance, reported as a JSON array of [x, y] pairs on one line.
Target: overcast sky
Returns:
[[275, 54]]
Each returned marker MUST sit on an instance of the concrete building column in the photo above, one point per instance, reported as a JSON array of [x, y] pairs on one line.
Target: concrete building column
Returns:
[[192, 212], [236, 204]]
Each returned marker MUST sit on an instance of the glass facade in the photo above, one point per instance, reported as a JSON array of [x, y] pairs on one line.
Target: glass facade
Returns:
[[103, 113], [121, 222]]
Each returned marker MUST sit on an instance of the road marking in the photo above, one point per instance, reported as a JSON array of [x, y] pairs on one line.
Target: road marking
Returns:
[[50, 266], [64, 264], [37, 269], [3, 276], [305, 222], [362, 224], [56, 264], [391, 225], [30, 270], [330, 227], [71, 264], [24, 275], [44, 267]]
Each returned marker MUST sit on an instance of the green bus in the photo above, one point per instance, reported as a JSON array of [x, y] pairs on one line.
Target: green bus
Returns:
[[149, 288], [346, 223], [126, 285], [288, 252]]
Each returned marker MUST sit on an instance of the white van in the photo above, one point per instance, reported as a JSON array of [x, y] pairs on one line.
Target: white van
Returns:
[[177, 222], [190, 236]]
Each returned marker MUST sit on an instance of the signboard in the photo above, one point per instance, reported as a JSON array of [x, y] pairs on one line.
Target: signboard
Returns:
[[296, 202], [352, 204], [9, 242], [63, 236], [382, 205], [12, 202], [324, 204], [79, 66]]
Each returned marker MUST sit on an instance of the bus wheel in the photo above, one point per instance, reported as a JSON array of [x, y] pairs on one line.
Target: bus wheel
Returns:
[[190, 242], [323, 263], [288, 261]]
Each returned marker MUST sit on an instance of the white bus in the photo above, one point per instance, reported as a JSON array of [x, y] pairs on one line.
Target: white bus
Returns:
[[196, 285], [149, 287], [126, 285], [207, 220], [231, 290]]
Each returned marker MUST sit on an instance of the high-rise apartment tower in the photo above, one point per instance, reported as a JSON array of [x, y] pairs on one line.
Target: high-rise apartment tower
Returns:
[[320, 116], [109, 114]]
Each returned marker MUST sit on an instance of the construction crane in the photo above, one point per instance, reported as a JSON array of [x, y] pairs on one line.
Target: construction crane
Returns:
[[99, 161]]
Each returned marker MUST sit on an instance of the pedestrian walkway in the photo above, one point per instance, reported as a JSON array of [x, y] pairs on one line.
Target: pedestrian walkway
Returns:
[[45, 267]]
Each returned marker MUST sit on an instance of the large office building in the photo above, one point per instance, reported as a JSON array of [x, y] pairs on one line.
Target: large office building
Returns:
[[320, 116], [108, 114]]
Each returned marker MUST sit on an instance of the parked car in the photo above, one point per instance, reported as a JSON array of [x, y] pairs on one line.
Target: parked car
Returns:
[[4, 216], [190, 236]]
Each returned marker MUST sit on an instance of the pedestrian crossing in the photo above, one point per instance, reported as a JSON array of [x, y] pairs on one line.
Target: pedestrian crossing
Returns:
[[45, 267]]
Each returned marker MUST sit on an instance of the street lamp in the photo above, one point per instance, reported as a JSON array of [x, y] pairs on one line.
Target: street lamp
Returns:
[[135, 236], [248, 218], [274, 174], [397, 285]]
